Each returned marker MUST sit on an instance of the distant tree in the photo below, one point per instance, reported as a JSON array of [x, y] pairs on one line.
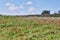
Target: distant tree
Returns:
[[55, 13], [0, 15], [58, 12], [45, 12]]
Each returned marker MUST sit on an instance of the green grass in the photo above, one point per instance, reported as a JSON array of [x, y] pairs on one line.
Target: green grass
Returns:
[[29, 28]]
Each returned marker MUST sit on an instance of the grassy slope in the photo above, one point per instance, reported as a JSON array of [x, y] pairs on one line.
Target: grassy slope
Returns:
[[28, 28]]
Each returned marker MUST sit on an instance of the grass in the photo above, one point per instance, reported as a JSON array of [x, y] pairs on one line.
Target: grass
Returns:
[[29, 28]]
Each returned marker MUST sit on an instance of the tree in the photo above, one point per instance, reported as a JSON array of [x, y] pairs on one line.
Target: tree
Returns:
[[45, 12], [55, 13], [58, 12]]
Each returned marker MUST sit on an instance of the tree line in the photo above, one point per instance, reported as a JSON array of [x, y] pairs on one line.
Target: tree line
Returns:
[[48, 14], [45, 12]]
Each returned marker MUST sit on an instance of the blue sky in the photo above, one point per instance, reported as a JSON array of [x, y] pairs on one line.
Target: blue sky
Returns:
[[25, 7]]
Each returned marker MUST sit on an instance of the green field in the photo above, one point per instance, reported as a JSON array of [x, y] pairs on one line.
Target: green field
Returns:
[[29, 28]]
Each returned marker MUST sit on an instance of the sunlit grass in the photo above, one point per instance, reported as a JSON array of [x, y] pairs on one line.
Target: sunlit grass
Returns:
[[26, 28]]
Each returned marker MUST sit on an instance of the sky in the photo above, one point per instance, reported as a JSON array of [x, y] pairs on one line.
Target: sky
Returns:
[[26, 7]]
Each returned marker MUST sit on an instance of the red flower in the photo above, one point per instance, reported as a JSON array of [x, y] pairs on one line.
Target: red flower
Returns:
[[52, 33], [15, 30]]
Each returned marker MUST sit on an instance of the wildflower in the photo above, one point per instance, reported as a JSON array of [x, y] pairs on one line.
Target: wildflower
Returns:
[[52, 33]]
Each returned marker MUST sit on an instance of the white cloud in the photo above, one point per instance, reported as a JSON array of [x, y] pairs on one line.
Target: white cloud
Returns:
[[21, 6], [31, 9], [5, 13], [29, 3], [7, 4], [11, 7], [34, 13], [22, 13], [31, 13]]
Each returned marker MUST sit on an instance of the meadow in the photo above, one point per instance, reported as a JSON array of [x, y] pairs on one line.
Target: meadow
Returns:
[[29, 28]]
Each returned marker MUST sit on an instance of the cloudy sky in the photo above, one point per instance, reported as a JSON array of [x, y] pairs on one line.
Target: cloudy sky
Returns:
[[25, 7]]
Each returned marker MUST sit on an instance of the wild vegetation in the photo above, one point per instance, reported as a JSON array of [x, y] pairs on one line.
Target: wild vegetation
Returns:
[[29, 28]]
